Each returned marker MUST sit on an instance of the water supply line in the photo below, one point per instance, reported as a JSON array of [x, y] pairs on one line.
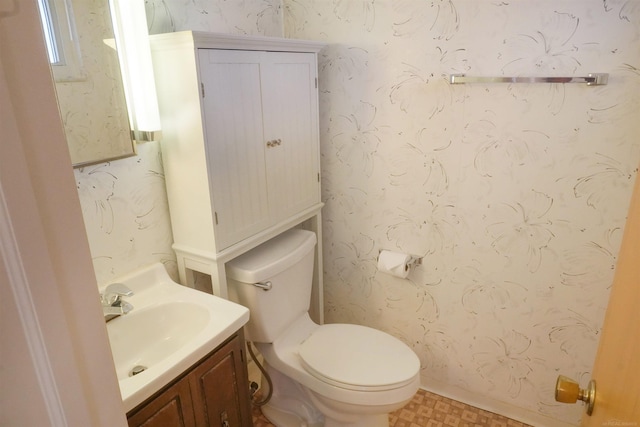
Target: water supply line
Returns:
[[266, 376]]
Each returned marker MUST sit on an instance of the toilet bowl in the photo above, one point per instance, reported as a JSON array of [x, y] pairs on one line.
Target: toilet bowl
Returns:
[[330, 375]]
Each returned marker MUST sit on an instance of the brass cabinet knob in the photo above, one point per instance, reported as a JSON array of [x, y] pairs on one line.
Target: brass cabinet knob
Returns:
[[569, 391]]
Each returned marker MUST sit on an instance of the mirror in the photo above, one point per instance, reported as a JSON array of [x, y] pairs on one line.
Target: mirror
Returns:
[[91, 98]]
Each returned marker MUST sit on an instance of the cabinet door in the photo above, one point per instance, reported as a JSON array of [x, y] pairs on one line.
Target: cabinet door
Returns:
[[171, 408], [221, 389], [290, 106], [235, 145]]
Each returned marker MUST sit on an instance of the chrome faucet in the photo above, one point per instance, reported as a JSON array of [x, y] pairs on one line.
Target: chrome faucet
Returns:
[[112, 303]]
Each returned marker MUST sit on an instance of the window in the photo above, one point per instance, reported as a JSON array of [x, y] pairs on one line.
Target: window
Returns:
[[61, 39]]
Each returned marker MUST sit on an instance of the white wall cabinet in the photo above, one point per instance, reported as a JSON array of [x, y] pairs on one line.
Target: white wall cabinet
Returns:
[[240, 146], [261, 118]]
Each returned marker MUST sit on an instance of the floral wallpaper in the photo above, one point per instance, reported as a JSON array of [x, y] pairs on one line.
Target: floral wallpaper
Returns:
[[514, 194], [126, 214]]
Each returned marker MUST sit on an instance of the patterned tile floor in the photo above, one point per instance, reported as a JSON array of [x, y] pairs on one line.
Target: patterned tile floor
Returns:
[[430, 410]]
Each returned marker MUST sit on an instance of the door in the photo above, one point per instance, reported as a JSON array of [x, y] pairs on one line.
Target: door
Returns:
[[291, 120], [219, 386], [617, 367], [235, 146], [173, 407], [261, 123]]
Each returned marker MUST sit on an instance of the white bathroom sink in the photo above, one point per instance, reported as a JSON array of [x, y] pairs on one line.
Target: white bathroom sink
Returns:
[[170, 328], [151, 334]]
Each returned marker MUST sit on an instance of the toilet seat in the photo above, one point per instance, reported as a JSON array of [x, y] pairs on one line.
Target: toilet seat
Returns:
[[358, 358]]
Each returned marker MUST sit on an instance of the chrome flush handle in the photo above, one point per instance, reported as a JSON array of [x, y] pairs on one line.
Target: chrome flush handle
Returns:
[[265, 286]]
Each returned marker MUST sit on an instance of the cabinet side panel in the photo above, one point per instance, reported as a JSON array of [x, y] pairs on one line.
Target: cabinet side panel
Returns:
[[183, 151], [291, 116], [235, 142]]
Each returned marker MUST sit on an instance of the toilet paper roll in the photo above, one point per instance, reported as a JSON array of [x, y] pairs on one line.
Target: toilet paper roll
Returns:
[[394, 263]]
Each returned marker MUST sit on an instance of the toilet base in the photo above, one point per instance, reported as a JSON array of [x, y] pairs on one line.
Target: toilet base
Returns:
[[293, 405], [289, 405], [280, 418], [336, 415]]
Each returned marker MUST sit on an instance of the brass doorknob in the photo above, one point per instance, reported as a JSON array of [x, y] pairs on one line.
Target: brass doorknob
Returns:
[[569, 391]]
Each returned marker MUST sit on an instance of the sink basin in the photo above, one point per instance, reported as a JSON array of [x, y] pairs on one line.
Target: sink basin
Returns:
[[152, 334], [170, 328]]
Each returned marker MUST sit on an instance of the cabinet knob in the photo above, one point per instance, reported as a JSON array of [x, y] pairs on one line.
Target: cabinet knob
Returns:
[[274, 143], [224, 419]]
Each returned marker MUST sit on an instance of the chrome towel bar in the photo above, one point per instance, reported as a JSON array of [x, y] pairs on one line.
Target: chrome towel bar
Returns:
[[595, 79]]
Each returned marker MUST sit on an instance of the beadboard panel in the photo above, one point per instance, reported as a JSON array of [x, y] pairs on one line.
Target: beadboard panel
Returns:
[[291, 118], [235, 144]]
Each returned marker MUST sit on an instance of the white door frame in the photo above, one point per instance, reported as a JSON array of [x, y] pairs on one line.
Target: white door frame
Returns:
[[55, 363]]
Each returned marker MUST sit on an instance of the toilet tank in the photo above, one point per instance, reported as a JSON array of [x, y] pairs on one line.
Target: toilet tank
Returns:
[[286, 262]]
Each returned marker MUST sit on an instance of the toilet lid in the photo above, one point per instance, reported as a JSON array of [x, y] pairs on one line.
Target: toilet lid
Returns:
[[358, 358]]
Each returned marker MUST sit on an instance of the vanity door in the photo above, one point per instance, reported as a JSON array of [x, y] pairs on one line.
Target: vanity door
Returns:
[[220, 388], [171, 408]]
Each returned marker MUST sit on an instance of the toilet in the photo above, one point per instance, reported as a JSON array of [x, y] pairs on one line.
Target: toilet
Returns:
[[333, 375]]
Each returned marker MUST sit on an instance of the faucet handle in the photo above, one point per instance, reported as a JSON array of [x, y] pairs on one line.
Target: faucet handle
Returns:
[[118, 289], [114, 291]]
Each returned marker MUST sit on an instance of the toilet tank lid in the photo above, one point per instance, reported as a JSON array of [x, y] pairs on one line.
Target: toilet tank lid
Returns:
[[271, 257]]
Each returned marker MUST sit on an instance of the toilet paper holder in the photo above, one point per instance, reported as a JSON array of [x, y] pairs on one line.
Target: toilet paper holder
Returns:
[[413, 260]]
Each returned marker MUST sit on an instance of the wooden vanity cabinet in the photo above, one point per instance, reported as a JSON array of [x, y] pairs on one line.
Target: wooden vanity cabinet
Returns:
[[214, 392]]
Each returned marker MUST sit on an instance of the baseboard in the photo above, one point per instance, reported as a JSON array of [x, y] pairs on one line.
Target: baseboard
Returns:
[[492, 405]]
